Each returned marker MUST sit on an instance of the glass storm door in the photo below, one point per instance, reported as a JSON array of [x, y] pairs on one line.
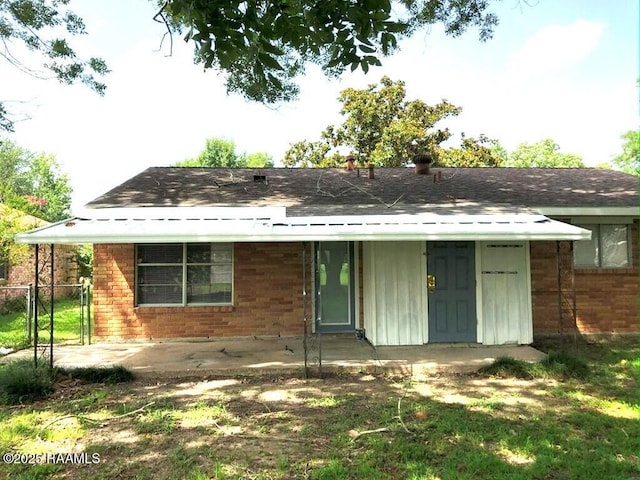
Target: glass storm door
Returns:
[[334, 280]]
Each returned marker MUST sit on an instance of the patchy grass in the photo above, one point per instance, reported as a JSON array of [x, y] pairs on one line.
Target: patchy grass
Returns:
[[66, 325], [547, 425]]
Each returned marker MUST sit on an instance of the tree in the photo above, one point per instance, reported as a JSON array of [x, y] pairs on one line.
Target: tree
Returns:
[[259, 160], [480, 152], [33, 183], [44, 27], [628, 161], [543, 154], [221, 153], [380, 128], [11, 223], [263, 45]]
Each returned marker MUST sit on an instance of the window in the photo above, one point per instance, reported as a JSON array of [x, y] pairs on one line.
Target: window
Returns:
[[184, 274], [608, 247]]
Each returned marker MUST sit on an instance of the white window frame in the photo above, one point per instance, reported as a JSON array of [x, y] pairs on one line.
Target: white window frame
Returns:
[[596, 228], [184, 265]]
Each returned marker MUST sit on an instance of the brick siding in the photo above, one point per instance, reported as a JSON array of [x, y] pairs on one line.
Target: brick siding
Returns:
[[65, 267], [267, 297], [606, 298]]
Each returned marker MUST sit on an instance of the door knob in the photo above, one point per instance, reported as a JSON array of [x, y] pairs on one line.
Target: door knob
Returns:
[[431, 282]]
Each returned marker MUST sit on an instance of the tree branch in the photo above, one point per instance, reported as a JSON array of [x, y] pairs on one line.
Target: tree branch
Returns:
[[163, 19]]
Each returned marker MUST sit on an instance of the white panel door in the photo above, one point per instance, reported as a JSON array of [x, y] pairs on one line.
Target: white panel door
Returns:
[[395, 293], [506, 293]]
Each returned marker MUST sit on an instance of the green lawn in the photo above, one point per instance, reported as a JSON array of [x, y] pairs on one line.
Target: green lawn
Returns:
[[66, 325], [552, 426]]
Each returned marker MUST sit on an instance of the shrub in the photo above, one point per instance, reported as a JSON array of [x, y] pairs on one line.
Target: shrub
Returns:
[[509, 367], [20, 381], [565, 365], [109, 375], [557, 364]]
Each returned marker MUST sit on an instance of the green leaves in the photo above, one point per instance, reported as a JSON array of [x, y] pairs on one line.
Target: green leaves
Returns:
[[629, 160], [221, 153], [33, 183], [543, 154], [37, 24], [380, 127], [282, 36]]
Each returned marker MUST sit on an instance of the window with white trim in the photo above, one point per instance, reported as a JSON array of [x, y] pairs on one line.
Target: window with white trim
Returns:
[[609, 247], [184, 274]]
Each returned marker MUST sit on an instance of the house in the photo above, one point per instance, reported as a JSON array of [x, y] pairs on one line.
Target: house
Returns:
[[19, 271], [473, 255]]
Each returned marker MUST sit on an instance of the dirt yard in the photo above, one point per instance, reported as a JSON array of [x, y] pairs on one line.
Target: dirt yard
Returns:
[[357, 426]]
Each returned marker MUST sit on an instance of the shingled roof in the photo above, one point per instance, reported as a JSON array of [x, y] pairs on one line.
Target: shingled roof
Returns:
[[393, 190]]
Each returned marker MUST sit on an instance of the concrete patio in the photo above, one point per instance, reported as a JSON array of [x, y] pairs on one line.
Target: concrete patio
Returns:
[[265, 355]]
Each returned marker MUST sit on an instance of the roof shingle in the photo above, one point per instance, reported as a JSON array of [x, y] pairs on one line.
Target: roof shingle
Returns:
[[393, 190]]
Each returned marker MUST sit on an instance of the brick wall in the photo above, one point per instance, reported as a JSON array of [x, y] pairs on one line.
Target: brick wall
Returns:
[[267, 297], [65, 266], [606, 298]]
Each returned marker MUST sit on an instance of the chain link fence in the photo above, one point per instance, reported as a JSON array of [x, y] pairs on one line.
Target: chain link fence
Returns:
[[71, 315]]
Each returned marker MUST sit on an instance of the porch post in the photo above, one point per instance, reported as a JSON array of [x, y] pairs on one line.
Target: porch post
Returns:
[[567, 307], [304, 308], [52, 296], [36, 291]]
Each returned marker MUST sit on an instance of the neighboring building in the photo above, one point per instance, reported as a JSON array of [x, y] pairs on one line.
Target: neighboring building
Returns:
[[22, 272], [473, 255]]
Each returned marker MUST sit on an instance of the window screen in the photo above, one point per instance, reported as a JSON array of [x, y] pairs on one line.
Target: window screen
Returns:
[[178, 274], [209, 273], [608, 247]]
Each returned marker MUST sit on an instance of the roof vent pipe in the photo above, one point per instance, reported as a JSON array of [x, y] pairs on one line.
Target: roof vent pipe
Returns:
[[349, 160], [423, 163]]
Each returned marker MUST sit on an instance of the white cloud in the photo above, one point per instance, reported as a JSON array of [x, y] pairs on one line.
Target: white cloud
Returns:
[[556, 47]]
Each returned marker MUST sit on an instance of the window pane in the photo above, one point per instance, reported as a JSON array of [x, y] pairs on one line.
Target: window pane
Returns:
[[160, 253], [161, 294], [208, 284], [199, 253], [585, 252], [159, 275], [159, 284], [614, 244], [209, 253], [222, 253]]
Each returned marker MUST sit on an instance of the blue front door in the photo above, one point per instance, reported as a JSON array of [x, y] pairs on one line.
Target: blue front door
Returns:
[[452, 292]]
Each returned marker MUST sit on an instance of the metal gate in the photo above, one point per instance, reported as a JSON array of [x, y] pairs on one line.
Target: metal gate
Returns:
[[71, 315]]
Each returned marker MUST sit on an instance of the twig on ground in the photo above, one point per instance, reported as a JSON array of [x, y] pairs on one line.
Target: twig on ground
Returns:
[[356, 434], [399, 416], [90, 420]]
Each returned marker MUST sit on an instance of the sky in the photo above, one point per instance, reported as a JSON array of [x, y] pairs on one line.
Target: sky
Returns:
[[560, 69]]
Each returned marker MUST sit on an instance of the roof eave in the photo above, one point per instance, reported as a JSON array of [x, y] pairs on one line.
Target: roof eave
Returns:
[[415, 236], [624, 211]]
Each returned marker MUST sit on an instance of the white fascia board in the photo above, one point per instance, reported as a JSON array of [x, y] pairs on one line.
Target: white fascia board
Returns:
[[182, 213], [589, 211], [170, 231]]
